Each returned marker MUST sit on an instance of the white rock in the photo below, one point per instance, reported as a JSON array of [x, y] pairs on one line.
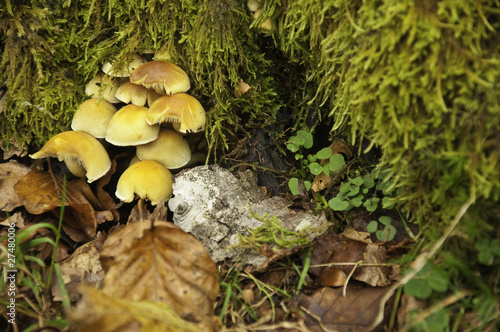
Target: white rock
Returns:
[[213, 204]]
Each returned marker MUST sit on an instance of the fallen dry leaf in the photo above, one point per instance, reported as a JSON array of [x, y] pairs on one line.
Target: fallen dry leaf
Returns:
[[41, 192], [98, 311], [10, 174], [157, 261], [82, 267], [327, 308], [346, 254]]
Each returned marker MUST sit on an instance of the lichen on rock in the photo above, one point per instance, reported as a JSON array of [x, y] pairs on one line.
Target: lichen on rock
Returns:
[[214, 205]]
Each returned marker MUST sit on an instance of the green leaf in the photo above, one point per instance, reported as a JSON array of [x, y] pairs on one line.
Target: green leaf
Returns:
[[419, 288], [385, 220], [485, 257], [357, 181], [315, 168], [324, 153], [495, 247], [371, 204], [386, 234], [346, 187], [439, 321], [337, 161], [372, 226], [338, 204], [311, 158], [299, 156], [357, 201], [293, 144], [353, 192], [369, 182], [384, 187], [307, 185], [293, 184], [306, 138], [437, 281]]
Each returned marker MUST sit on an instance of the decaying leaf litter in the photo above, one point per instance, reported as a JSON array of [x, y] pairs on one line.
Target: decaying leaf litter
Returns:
[[158, 266], [380, 96]]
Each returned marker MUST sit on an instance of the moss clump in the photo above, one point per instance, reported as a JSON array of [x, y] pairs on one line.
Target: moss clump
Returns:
[[38, 72], [211, 40], [417, 79]]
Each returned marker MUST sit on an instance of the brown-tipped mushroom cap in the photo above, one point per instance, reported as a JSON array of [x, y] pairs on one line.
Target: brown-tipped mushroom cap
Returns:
[[181, 109], [92, 117], [77, 148], [129, 127], [135, 62], [148, 179], [162, 76], [103, 86], [170, 149], [130, 92]]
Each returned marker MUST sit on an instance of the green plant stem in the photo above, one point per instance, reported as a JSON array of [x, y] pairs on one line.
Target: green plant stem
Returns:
[[57, 237]]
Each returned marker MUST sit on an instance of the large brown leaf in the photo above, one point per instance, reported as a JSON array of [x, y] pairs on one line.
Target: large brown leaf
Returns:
[[157, 261], [41, 192], [328, 308], [98, 311], [345, 254]]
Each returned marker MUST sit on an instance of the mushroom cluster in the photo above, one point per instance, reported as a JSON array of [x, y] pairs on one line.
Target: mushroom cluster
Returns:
[[156, 117]]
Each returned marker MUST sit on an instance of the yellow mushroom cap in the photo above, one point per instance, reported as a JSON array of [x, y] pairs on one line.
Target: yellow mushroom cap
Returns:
[[148, 179], [135, 62], [130, 92], [103, 86], [170, 149], [129, 127], [181, 109], [162, 76], [77, 149], [92, 117]]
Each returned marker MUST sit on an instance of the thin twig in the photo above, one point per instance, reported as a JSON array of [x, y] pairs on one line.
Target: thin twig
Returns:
[[420, 261]]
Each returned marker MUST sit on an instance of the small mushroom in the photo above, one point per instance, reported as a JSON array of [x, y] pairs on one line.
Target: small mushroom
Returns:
[[92, 117], [162, 76], [103, 86], [81, 152], [170, 149], [147, 179], [128, 127], [134, 63], [184, 111], [129, 92]]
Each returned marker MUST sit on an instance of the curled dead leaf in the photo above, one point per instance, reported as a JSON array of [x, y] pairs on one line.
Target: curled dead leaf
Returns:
[[326, 309], [157, 261], [41, 192]]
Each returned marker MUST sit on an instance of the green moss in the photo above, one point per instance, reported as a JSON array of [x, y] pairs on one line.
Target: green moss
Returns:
[[211, 40], [41, 88]]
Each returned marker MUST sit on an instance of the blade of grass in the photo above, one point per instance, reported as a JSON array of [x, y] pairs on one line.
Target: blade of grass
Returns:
[[57, 235]]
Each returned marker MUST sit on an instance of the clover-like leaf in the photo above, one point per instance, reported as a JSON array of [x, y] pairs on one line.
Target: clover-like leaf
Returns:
[[306, 139], [324, 153], [307, 185], [293, 184], [315, 168], [372, 226], [338, 204], [371, 204], [336, 162]]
